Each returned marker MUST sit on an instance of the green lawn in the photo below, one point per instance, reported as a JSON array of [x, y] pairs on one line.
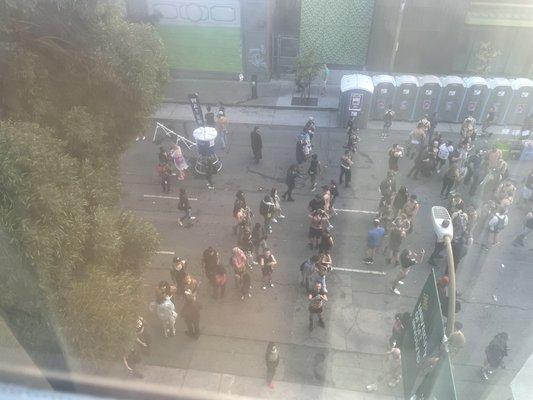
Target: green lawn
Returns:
[[203, 48]]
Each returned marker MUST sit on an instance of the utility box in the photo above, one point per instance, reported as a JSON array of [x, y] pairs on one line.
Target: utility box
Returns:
[[521, 101], [477, 93], [355, 99], [384, 89], [500, 96], [405, 97], [451, 99], [428, 96]]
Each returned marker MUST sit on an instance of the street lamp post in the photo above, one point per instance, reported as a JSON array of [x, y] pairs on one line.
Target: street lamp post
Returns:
[[397, 36], [442, 225]]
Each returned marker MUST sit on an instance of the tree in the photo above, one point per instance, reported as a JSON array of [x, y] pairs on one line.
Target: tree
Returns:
[[80, 83], [484, 57], [307, 69]]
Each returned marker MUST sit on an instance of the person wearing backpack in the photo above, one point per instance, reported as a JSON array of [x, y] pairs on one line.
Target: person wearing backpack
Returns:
[[496, 225]]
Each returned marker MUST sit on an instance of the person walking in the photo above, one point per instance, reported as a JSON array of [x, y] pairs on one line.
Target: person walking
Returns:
[[266, 209], [185, 206], [495, 352], [400, 199], [272, 362], [314, 171], [443, 152], [267, 261], [387, 121], [374, 238], [190, 313], [449, 180], [257, 144], [408, 258], [239, 210], [317, 300], [166, 312], [306, 271], [398, 329], [290, 180], [398, 230], [318, 219], [278, 212], [410, 209], [179, 161], [346, 168]]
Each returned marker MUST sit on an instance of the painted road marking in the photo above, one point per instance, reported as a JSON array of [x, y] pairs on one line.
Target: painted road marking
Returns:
[[356, 211], [153, 196], [361, 271], [165, 252]]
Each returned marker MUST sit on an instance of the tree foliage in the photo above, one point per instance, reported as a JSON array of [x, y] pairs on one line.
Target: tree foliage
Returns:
[[307, 69], [78, 83]]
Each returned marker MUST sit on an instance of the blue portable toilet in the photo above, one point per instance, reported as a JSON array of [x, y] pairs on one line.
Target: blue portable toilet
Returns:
[[356, 99], [521, 101], [477, 93], [451, 99], [428, 96], [405, 97], [384, 88], [500, 96]]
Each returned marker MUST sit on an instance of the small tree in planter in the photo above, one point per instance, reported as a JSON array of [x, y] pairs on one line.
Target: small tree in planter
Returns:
[[307, 69]]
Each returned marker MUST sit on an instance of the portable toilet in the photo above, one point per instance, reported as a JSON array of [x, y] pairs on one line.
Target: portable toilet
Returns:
[[451, 99], [477, 93], [384, 88], [405, 97], [356, 99], [428, 96], [500, 96], [521, 101]]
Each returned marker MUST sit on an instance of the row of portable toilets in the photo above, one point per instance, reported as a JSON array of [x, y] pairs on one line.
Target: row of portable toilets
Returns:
[[452, 97]]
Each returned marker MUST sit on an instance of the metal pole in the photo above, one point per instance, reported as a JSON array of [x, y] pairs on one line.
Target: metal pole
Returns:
[[450, 321], [397, 36]]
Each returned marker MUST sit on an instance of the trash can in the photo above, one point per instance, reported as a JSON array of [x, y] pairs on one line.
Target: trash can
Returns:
[[521, 101], [384, 88], [405, 97], [477, 92], [451, 99], [428, 96], [356, 99], [500, 96]]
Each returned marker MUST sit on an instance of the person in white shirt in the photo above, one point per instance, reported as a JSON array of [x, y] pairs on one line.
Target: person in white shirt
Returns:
[[443, 153], [496, 224]]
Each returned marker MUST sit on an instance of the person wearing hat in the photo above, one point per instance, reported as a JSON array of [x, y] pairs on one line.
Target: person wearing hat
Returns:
[[374, 238]]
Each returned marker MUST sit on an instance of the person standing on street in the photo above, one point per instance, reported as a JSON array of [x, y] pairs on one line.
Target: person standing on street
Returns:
[[387, 122], [222, 128], [164, 171], [495, 352], [290, 180], [408, 258], [346, 168], [456, 341], [266, 209], [257, 144], [496, 224], [314, 171], [272, 361], [191, 314], [267, 261], [449, 180], [209, 117], [395, 153], [220, 277], [317, 300], [178, 273], [374, 238], [306, 271]]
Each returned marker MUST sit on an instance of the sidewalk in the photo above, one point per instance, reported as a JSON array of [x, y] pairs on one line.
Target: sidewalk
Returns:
[[228, 384]]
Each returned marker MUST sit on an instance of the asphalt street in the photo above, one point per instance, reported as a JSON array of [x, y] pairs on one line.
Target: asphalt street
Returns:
[[494, 285]]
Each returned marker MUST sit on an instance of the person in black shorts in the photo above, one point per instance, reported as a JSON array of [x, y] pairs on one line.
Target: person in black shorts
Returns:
[[387, 122]]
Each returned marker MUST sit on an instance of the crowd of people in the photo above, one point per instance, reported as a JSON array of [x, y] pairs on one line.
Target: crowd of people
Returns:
[[476, 187]]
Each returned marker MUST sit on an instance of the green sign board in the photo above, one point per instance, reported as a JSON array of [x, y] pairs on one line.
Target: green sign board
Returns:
[[426, 368]]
